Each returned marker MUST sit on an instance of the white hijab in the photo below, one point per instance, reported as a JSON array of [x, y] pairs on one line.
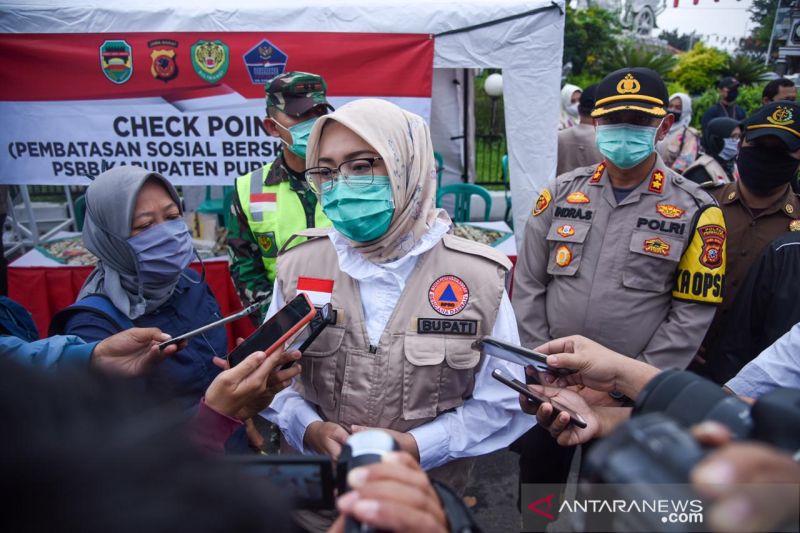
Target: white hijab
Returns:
[[686, 113], [568, 120]]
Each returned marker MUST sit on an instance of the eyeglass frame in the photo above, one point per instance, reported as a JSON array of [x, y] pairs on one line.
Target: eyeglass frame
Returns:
[[337, 172]]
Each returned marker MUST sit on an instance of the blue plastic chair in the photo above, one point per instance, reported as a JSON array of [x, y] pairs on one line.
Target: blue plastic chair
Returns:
[[439, 169], [463, 195]]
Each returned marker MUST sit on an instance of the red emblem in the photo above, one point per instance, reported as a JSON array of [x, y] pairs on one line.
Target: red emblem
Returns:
[[448, 295], [713, 240], [657, 246], [669, 211], [598, 173], [656, 182]]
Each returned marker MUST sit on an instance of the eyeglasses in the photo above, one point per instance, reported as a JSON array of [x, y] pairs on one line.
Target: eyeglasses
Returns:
[[355, 173]]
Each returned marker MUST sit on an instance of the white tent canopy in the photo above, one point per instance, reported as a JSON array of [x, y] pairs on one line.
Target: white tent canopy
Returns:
[[524, 38]]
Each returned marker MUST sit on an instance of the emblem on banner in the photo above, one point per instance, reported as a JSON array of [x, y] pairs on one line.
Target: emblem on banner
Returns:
[[163, 66], [210, 59], [116, 60], [577, 197], [264, 61], [713, 237], [448, 295]]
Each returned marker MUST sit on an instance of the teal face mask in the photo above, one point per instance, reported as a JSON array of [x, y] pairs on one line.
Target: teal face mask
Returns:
[[360, 213], [626, 145], [300, 133]]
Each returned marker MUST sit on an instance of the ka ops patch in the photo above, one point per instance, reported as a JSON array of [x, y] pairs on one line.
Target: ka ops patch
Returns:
[[448, 295], [701, 272]]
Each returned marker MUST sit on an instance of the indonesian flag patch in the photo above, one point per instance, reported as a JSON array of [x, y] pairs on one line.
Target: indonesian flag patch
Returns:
[[319, 290], [265, 201]]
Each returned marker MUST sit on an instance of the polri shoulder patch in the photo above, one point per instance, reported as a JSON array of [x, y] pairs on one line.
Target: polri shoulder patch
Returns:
[[542, 203]]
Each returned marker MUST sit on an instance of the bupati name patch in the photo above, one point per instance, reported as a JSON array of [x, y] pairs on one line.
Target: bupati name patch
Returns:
[[447, 326], [573, 212]]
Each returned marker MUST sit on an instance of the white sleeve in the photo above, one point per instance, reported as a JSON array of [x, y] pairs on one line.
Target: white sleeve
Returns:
[[288, 410], [777, 366], [490, 420]]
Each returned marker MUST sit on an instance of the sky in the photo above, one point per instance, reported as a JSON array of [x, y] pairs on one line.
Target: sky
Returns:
[[715, 20]]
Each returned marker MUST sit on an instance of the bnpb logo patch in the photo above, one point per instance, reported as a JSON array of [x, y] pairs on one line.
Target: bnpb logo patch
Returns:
[[448, 295]]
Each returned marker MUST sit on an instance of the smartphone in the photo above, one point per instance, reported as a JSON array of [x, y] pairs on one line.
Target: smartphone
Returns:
[[538, 399], [517, 354], [276, 330], [304, 339], [221, 322], [308, 480]]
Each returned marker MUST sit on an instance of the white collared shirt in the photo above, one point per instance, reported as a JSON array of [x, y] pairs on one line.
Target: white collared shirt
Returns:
[[489, 421], [777, 366]]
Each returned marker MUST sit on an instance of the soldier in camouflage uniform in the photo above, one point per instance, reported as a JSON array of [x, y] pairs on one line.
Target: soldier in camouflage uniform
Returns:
[[274, 202]]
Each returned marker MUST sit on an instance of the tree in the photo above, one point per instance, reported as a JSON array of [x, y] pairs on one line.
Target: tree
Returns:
[[762, 14], [700, 68], [589, 34], [745, 69], [683, 41], [630, 53]]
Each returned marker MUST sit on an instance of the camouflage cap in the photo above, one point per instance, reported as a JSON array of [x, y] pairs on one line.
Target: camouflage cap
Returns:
[[296, 93]]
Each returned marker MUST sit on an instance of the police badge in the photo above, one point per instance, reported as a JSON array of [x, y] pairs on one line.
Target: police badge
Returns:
[[163, 66]]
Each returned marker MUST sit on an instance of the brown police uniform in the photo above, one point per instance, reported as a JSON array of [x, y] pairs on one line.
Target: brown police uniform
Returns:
[[424, 363], [637, 276]]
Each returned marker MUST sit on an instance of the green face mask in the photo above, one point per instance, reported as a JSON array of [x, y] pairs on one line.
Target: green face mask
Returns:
[[300, 133], [360, 213]]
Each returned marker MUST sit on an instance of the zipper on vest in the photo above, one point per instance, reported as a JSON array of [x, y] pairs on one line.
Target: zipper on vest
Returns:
[[373, 349]]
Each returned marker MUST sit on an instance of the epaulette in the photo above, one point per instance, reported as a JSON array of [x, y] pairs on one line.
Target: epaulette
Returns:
[[311, 234], [467, 246], [700, 196]]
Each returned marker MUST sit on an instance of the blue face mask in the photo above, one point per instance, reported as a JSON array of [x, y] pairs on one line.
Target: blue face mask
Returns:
[[730, 149], [363, 213], [300, 133], [162, 252], [626, 145]]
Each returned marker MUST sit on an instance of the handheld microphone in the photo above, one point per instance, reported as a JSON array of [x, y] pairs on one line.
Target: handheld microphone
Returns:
[[362, 448]]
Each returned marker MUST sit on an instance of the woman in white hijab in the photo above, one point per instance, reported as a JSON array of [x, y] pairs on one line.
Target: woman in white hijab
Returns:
[[410, 300], [680, 147], [570, 98]]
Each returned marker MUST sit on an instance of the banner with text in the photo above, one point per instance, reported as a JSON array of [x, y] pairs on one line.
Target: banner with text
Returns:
[[188, 105]]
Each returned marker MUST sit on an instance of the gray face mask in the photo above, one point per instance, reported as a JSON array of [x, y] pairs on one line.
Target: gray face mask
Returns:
[[162, 252], [730, 149]]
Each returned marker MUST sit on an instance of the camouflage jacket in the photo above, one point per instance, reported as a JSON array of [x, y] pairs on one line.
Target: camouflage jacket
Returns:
[[247, 269]]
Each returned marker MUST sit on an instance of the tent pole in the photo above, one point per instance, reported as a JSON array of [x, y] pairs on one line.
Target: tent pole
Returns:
[[34, 228], [465, 175]]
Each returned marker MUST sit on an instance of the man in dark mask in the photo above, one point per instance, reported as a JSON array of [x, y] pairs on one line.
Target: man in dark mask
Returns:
[[761, 206], [726, 107]]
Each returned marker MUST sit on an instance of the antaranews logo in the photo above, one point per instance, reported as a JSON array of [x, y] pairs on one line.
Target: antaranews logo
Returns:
[[536, 506]]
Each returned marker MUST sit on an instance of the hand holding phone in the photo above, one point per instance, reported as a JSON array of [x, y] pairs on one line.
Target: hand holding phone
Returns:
[[538, 399], [517, 354], [276, 330]]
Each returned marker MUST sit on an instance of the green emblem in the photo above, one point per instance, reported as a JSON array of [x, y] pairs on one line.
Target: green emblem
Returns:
[[266, 241], [210, 59], [116, 60]]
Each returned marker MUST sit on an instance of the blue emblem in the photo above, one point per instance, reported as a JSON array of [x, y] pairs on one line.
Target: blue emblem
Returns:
[[264, 61]]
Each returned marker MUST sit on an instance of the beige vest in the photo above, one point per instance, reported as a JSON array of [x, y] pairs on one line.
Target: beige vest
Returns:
[[424, 363], [714, 169]]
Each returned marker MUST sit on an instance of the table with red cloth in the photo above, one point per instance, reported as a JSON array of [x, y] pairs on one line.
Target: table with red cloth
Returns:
[[44, 287]]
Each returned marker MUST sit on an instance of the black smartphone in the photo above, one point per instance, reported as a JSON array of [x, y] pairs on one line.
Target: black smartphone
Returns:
[[517, 354], [307, 335], [279, 328], [307, 479], [538, 399]]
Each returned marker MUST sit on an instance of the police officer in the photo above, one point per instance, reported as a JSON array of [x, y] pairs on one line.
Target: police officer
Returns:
[[626, 252], [761, 205], [273, 202]]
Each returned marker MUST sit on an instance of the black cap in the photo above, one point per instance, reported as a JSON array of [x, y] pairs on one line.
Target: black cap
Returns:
[[588, 98], [728, 81], [781, 119], [631, 89]]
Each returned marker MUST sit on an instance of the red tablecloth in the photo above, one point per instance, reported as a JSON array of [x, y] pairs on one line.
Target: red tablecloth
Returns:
[[45, 290]]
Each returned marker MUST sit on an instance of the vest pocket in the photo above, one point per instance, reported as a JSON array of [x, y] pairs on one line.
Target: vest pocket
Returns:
[[319, 367], [422, 367], [565, 239], [652, 263], [458, 376]]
